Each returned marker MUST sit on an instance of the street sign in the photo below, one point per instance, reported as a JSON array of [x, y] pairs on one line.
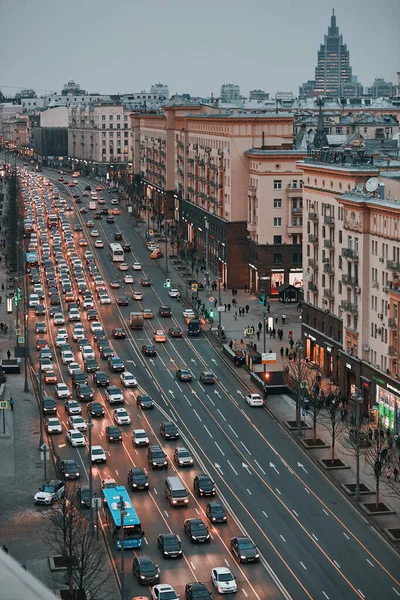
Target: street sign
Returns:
[[17, 331], [303, 384], [97, 503], [211, 299], [268, 358], [3, 404], [9, 305], [249, 330], [221, 308], [194, 287], [44, 447], [21, 339]]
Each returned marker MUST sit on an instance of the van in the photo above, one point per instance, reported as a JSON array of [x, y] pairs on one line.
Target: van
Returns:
[[176, 492], [33, 300]]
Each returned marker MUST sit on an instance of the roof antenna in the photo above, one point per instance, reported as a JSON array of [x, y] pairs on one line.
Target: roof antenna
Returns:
[[263, 140]]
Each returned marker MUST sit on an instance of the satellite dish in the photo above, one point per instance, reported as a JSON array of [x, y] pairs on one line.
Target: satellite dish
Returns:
[[211, 211], [359, 187], [307, 276], [372, 184]]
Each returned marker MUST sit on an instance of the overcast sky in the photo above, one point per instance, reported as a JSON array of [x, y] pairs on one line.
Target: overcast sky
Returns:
[[194, 47]]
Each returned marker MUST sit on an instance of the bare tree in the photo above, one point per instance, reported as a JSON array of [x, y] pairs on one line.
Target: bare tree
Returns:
[[376, 455], [333, 419]]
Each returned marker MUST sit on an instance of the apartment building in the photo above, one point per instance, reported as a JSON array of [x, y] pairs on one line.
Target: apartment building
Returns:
[[350, 325], [192, 167]]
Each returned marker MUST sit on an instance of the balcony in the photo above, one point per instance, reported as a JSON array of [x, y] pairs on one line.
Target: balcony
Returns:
[[392, 351], [392, 323], [329, 244], [328, 269], [297, 210], [294, 191], [349, 280], [350, 253], [329, 294], [313, 216], [313, 239], [349, 306], [329, 220], [312, 287], [393, 265], [251, 227], [313, 263]]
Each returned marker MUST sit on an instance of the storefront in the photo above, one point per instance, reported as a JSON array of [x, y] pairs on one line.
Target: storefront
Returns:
[[277, 279], [388, 405], [296, 278], [314, 352]]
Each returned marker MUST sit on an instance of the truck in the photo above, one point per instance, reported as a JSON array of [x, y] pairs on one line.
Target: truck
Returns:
[[136, 320]]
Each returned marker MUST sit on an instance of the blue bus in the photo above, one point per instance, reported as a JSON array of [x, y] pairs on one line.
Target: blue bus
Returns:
[[133, 534], [31, 260]]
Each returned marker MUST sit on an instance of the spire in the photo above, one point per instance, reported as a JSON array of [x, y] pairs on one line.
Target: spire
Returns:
[[333, 28], [320, 138]]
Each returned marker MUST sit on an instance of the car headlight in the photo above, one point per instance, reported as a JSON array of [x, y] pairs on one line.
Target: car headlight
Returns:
[[194, 537], [134, 484], [243, 557], [142, 577], [220, 589], [257, 556], [154, 464], [213, 519]]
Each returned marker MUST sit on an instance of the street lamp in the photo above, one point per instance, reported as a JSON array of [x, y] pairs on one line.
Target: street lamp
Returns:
[[359, 400], [123, 514], [90, 425], [40, 409], [299, 347], [206, 225], [219, 308], [26, 386], [186, 265]]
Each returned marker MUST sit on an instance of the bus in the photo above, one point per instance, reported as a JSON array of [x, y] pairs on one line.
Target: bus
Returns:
[[117, 254], [31, 260], [133, 534]]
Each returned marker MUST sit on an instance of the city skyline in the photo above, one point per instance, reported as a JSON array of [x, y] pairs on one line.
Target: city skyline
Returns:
[[100, 54]]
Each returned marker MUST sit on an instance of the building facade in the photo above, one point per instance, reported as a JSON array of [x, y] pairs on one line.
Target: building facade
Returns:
[[230, 93], [381, 89]]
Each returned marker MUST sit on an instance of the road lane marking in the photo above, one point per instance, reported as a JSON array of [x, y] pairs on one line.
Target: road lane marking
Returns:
[[326, 595], [260, 467], [233, 431], [345, 535], [231, 466], [282, 537], [226, 562], [337, 564], [192, 565], [249, 492], [208, 431], [145, 540], [219, 449], [370, 563], [278, 491], [326, 512], [395, 591], [187, 399], [212, 401], [315, 537], [155, 491], [360, 592], [265, 514], [202, 387], [308, 491], [303, 565], [166, 514], [295, 513], [197, 415], [116, 472], [221, 414], [244, 592], [245, 448]]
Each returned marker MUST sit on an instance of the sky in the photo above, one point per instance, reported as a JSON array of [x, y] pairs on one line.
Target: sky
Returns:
[[194, 47]]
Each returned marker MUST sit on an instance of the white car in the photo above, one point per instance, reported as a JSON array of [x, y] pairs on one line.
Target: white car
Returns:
[[67, 357], [113, 394], [88, 254], [173, 293], [77, 422], [98, 455], [88, 352], [128, 379], [188, 313], [58, 319], [60, 340], [62, 332], [223, 580], [114, 200], [137, 295], [96, 326], [99, 244], [121, 417], [72, 367], [163, 591], [78, 333], [94, 233], [46, 365], [62, 391], [123, 266], [140, 437], [128, 278], [254, 400], [88, 303], [53, 425], [74, 315], [75, 437], [137, 266], [105, 299]]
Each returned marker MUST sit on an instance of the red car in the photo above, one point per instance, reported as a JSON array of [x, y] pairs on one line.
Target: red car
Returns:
[[118, 333], [41, 343], [122, 301]]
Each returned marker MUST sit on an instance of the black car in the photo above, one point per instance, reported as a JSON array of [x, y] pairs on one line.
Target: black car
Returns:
[[106, 352], [165, 311], [96, 409], [118, 333], [215, 513], [115, 364], [84, 392], [145, 571], [169, 430], [184, 375], [69, 469], [244, 549], [87, 188], [91, 365], [117, 236], [149, 350], [145, 282], [78, 378], [91, 315], [137, 479], [203, 485], [101, 379], [84, 495], [170, 545], [113, 434], [104, 211], [196, 591], [49, 406], [110, 219], [175, 332], [126, 247], [144, 401], [207, 377], [122, 301], [197, 531], [156, 457]]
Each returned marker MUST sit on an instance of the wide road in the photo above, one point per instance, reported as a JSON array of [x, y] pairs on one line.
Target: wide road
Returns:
[[316, 544]]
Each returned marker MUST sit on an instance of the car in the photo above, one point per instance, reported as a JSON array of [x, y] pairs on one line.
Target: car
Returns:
[[46, 365], [196, 591], [114, 394], [163, 591], [87, 305], [82, 242], [84, 496], [115, 364], [72, 407], [115, 285], [165, 311], [188, 313], [99, 188], [99, 243], [49, 407], [144, 402], [149, 350], [184, 375], [41, 343], [223, 580], [137, 266], [207, 377], [121, 416], [169, 431], [73, 367], [113, 434], [174, 293], [117, 236], [106, 352], [182, 457], [77, 422], [159, 336], [49, 492], [138, 479], [91, 365], [87, 352], [156, 457], [148, 313], [101, 379], [203, 485], [84, 392], [89, 224], [94, 233], [78, 333], [128, 279], [69, 469], [67, 357], [104, 299], [95, 409], [74, 315], [39, 310], [122, 300], [244, 549], [78, 377], [145, 571], [83, 210], [123, 266], [145, 282], [75, 438], [53, 425], [58, 319], [40, 328], [196, 531], [118, 333], [215, 513], [50, 377], [140, 438], [254, 400], [170, 545], [175, 332], [62, 391], [98, 455], [128, 380], [137, 296], [96, 326]]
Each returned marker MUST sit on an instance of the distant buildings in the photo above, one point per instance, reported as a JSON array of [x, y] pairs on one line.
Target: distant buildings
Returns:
[[381, 89], [230, 93], [258, 96]]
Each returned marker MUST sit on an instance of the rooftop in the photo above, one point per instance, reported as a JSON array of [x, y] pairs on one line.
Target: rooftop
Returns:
[[278, 151], [360, 198], [390, 175]]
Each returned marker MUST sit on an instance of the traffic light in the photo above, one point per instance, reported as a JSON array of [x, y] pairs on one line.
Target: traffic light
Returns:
[[19, 293], [211, 314], [167, 283]]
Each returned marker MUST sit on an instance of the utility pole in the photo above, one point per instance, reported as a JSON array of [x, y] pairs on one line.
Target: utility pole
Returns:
[[186, 266], [299, 347], [91, 524], [265, 341], [359, 401], [26, 386]]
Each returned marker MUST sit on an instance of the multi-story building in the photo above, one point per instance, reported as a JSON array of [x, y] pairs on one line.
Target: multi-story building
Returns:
[[230, 93], [351, 314], [100, 134], [381, 89], [258, 96], [17, 131], [7, 111], [50, 137]]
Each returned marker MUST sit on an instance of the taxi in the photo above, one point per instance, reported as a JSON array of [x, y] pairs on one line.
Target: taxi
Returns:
[[115, 211], [83, 242], [156, 253], [69, 297], [159, 336], [50, 377]]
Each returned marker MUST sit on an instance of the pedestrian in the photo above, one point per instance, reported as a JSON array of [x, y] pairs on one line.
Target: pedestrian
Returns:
[[290, 356], [274, 332], [8, 354], [5, 549], [2, 287], [259, 326], [276, 318], [388, 473], [215, 303], [270, 333], [370, 434], [294, 354], [5, 327], [235, 343], [396, 473], [282, 351], [283, 319], [268, 308], [247, 308], [11, 404], [287, 352], [231, 344], [258, 335], [229, 307], [376, 433], [235, 315], [225, 306], [224, 286], [290, 334], [291, 343], [384, 452], [1, 326], [299, 306], [245, 289]]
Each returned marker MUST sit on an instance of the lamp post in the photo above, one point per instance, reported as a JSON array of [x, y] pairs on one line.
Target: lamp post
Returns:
[[299, 347], [186, 265], [264, 341], [123, 514], [26, 386], [206, 225], [219, 308], [91, 523], [40, 409], [359, 400]]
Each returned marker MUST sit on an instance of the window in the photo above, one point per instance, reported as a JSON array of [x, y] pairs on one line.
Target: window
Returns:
[[294, 258], [277, 184], [118, 117], [111, 125], [277, 221], [277, 259], [103, 117], [118, 126], [277, 203], [111, 117], [103, 126], [125, 125], [125, 117], [340, 237], [277, 240], [294, 222]]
